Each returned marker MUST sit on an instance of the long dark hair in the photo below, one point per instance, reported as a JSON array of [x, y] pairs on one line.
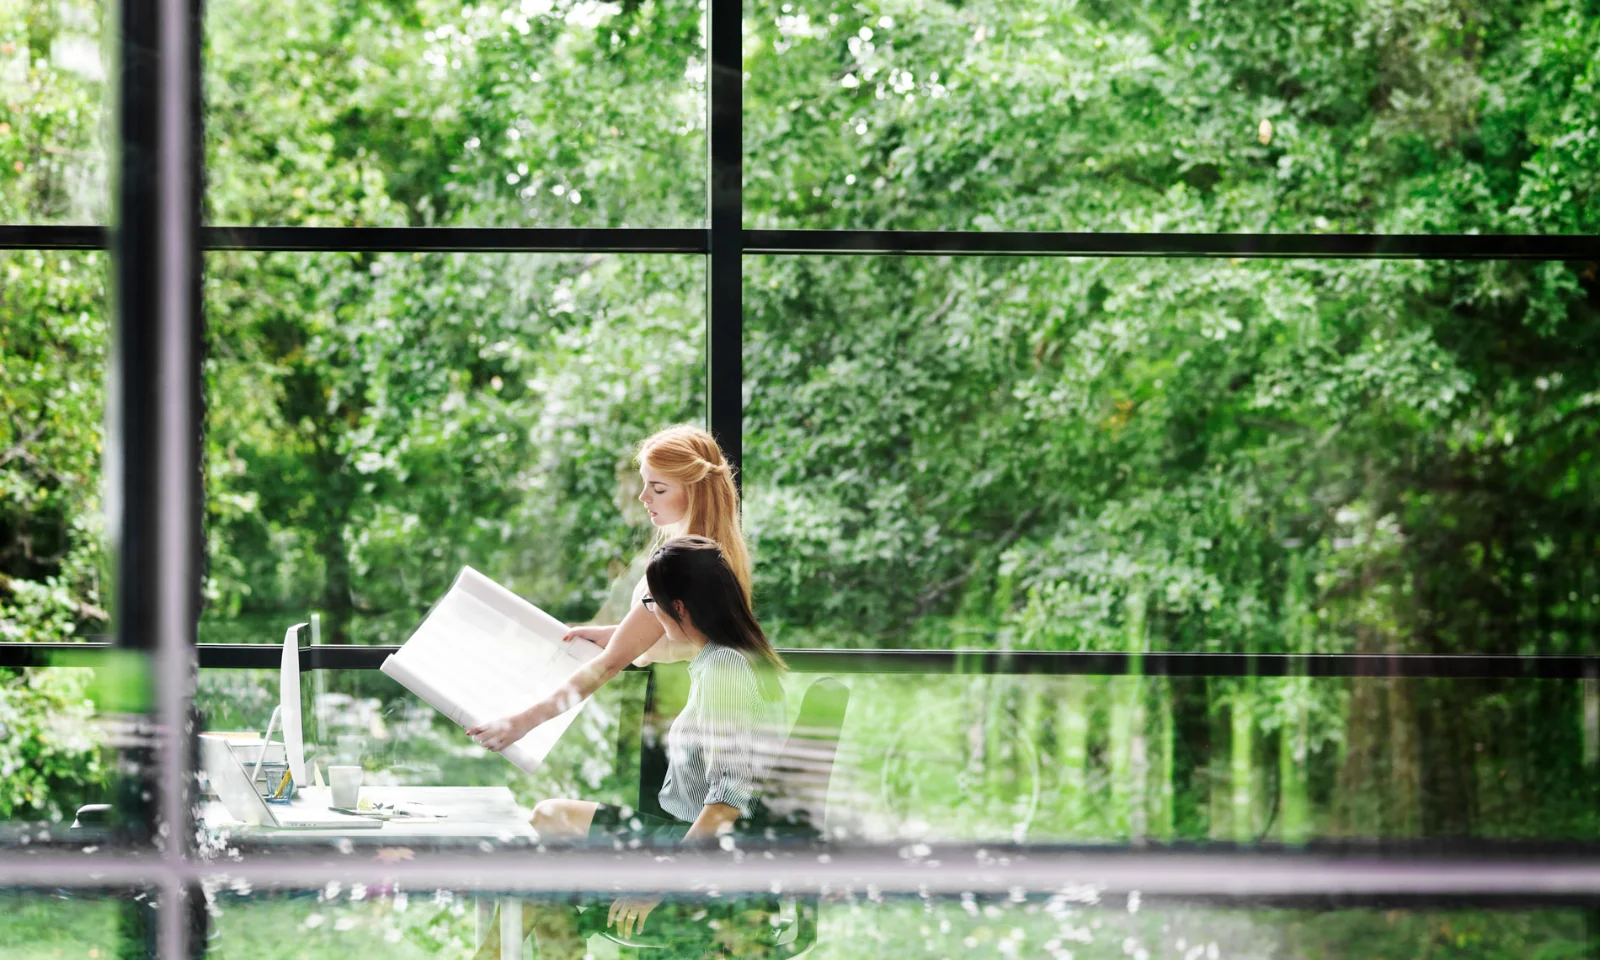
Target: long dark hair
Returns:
[[692, 571]]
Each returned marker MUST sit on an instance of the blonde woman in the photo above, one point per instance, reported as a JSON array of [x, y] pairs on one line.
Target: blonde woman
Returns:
[[687, 489]]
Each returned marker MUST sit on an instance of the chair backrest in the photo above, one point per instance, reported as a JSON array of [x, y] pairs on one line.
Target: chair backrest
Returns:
[[794, 795], [795, 801], [792, 806]]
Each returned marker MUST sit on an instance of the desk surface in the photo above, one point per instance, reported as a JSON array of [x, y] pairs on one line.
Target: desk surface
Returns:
[[473, 813]]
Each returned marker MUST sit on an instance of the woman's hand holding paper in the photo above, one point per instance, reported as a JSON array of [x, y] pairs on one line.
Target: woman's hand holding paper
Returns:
[[599, 636], [496, 735]]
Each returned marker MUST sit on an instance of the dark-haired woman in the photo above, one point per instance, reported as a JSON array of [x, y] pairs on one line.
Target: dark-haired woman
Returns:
[[718, 747]]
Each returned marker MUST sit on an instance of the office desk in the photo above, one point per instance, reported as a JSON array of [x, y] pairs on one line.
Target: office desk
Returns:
[[476, 815]]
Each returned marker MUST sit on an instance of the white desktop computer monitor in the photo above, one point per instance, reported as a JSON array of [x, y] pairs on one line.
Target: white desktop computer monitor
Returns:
[[289, 703], [286, 715]]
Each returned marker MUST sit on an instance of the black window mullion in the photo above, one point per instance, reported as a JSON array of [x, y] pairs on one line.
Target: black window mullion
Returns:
[[154, 426], [725, 187], [1244, 246], [689, 240]]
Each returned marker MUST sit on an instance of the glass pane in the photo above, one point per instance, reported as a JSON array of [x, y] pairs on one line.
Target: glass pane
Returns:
[[936, 759], [539, 113], [1109, 760], [59, 781], [54, 344], [1174, 116], [408, 750], [1185, 455], [378, 422], [341, 920], [45, 925], [60, 727], [54, 112]]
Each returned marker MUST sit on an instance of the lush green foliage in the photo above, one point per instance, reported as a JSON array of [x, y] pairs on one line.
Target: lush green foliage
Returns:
[[49, 753], [1213, 115], [1150, 454]]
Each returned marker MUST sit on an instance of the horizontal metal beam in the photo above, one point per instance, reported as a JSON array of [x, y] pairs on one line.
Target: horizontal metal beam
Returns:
[[1245, 246], [1087, 877], [48, 237], [457, 239], [387, 239], [689, 240], [1110, 663], [960, 662]]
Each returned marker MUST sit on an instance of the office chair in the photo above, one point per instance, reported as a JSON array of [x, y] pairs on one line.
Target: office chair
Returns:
[[790, 812]]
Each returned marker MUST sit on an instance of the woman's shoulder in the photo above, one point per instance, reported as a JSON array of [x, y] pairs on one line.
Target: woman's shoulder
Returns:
[[727, 665], [727, 669], [722, 658]]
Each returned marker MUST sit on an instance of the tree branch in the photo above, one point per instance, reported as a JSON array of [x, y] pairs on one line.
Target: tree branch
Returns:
[[84, 611], [929, 596], [20, 448]]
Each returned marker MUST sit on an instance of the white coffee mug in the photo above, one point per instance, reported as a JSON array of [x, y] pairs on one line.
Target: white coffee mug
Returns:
[[346, 783]]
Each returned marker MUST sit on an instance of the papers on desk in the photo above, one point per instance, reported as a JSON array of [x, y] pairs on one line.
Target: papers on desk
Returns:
[[484, 653], [405, 811]]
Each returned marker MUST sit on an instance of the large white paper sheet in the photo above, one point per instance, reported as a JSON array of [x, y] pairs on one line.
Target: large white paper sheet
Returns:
[[483, 653]]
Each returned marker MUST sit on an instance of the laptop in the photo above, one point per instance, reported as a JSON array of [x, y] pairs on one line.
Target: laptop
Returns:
[[232, 783]]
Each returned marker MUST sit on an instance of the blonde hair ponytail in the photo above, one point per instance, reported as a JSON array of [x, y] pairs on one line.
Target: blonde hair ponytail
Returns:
[[688, 455]]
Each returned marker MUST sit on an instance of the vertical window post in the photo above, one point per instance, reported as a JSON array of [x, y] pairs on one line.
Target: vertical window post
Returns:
[[153, 436], [724, 276]]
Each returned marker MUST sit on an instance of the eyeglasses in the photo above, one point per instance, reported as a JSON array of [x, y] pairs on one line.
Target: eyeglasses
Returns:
[[648, 601]]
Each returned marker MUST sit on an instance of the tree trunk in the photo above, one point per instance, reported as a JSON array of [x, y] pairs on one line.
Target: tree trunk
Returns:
[[1120, 734], [1358, 803], [1027, 776], [1218, 806], [1242, 765], [1294, 805], [1591, 722], [1405, 762], [1072, 744], [1139, 762], [337, 602], [1129, 749], [1163, 816]]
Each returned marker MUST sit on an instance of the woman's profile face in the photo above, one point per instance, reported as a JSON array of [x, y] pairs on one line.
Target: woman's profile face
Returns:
[[672, 628], [665, 500]]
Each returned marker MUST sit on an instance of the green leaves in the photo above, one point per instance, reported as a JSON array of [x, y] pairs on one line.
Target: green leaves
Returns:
[[412, 414], [49, 754]]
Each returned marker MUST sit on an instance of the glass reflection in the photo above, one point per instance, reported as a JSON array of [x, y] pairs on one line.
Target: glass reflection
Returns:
[[79, 765], [941, 759], [344, 920], [1181, 759], [413, 761]]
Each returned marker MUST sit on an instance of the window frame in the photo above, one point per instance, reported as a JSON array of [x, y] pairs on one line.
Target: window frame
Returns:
[[157, 255]]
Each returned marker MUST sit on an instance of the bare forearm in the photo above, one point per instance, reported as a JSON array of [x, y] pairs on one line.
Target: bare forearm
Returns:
[[714, 820], [584, 681], [637, 631]]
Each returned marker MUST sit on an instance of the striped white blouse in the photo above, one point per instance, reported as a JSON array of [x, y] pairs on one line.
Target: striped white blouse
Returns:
[[730, 730]]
